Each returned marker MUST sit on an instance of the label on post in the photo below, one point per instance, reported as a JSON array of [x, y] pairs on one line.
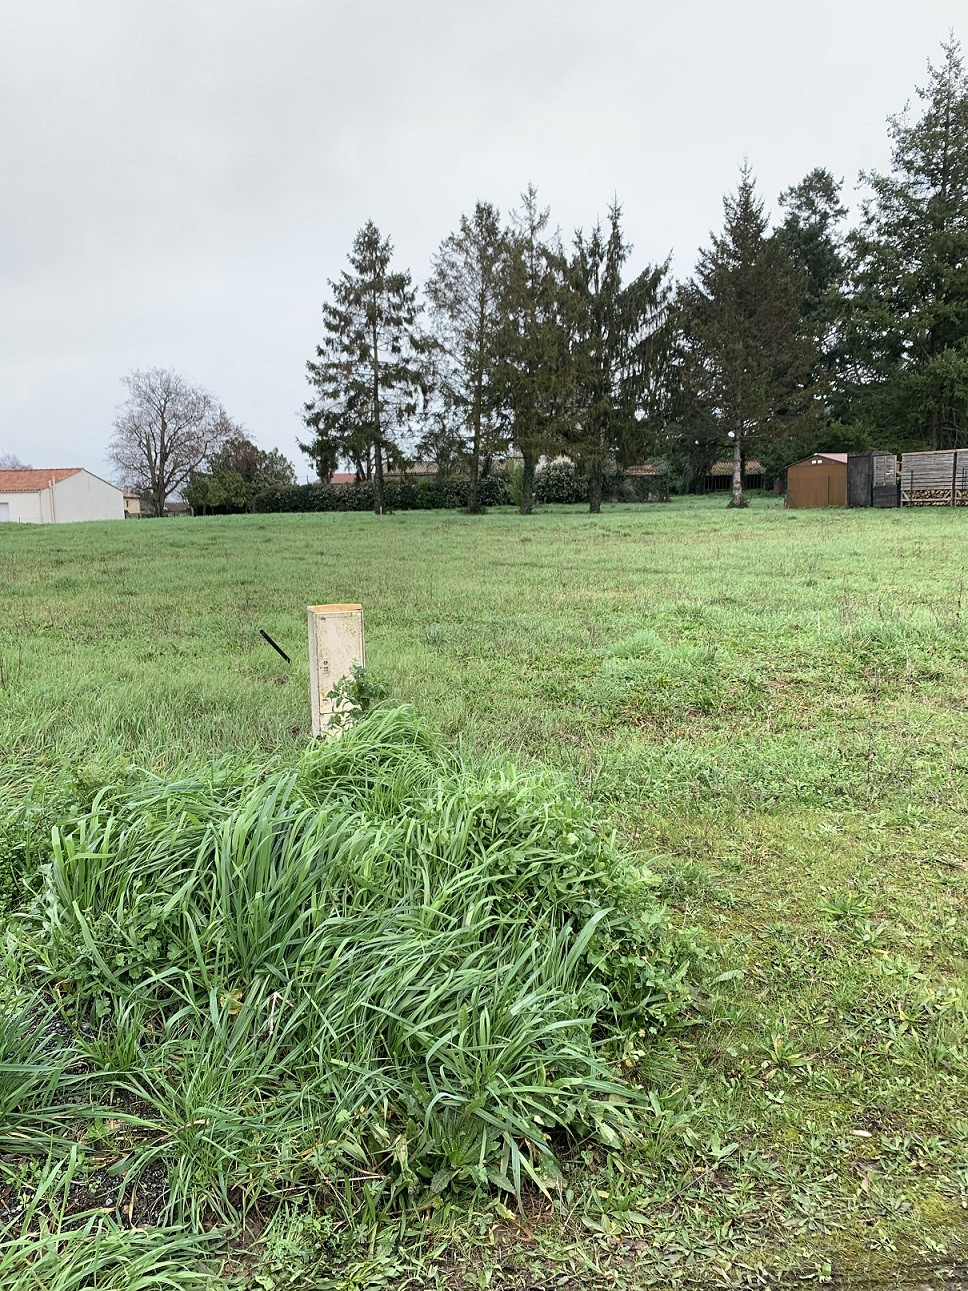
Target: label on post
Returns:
[[335, 647]]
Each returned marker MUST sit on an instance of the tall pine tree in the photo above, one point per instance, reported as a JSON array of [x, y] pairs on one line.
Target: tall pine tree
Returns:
[[369, 375], [906, 339], [811, 231], [464, 294], [622, 341], [534, 371], [745, 357]]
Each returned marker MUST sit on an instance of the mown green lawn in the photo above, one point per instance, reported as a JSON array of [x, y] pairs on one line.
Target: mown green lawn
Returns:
[[769, 706]]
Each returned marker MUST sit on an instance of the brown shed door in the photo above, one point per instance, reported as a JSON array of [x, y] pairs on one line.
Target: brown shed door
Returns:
[[823, 484]]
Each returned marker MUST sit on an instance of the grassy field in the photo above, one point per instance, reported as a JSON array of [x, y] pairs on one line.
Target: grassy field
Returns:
[[769, 707]]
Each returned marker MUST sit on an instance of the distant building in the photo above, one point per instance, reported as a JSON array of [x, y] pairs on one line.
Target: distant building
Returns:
[[132, 504], [414, 469], [61, 495], [819, 480], [645, 472], [719, 477], [178, 507]]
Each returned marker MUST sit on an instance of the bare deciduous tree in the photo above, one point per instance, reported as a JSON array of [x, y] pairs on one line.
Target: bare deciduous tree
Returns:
[[11, 462], [163, 432]]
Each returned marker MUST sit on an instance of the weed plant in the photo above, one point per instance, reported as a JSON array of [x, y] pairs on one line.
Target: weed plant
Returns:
[[381, 976]]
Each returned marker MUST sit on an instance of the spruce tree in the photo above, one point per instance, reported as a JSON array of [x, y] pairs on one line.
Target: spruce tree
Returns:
[[622, 337], [534, 371], [464, 294], [369, 376], [745, 359], [811, 232], [906, 342]]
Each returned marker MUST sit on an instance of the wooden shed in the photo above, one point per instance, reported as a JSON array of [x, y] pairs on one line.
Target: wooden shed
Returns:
[[937, 479], [872, 480], [819, 480]]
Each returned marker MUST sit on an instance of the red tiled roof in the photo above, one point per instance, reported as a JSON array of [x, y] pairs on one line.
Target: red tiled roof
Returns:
[[33, 481], [750, 467]]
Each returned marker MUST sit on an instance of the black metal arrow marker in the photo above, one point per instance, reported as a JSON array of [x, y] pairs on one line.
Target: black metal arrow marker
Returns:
[[278, 648]]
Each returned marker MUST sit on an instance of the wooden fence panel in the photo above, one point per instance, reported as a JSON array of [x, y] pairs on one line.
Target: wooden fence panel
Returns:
[[938, 479]]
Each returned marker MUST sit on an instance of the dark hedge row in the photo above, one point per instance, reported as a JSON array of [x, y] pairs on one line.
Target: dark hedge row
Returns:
[[398, 495], [559, 482]]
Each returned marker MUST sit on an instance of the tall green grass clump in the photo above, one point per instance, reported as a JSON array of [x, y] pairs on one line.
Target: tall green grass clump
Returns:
[[386, 971]]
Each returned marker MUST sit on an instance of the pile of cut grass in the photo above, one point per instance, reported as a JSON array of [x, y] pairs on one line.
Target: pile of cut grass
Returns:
[[379, 976]]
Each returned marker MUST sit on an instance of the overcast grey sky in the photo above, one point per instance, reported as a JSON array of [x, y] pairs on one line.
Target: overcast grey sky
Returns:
[[178, 179]]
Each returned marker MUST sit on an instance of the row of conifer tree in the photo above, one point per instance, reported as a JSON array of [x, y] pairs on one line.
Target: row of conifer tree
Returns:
[[806, 335]]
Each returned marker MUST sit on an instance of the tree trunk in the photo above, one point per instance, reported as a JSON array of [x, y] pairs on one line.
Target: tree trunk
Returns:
[[527, 484], [736, 498], [934, 436], [595, 489], [377, 429], [377, 479], [473, 503], [474, 466]]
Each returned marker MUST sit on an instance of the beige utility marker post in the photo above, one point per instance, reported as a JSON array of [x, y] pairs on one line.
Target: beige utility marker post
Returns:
[[335, 645]]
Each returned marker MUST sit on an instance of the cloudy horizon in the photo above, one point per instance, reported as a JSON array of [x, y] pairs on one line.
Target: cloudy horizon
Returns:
[[181, 181]]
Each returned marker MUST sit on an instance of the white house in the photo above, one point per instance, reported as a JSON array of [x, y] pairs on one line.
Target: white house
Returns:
[[58, 496]]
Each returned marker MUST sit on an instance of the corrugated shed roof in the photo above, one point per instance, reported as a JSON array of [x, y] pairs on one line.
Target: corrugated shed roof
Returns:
[[33, 481]]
